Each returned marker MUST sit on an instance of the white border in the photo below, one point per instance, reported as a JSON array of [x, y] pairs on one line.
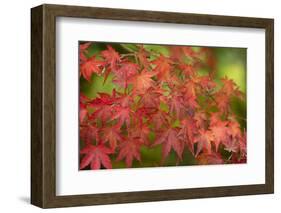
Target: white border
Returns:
[[70, 181]]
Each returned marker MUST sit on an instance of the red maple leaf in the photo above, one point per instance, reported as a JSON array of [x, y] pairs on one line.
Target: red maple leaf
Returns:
[[129, 150], [112, 57], [207, 83], [82, 50], [122, 114], [189, 52], [103, 106], [188, 132], [142, 55], [104, 113], [176, 53], [151, 98], [215, 118], [200, 119], [203, 140], [123, 100], [124, 73], [222, 101], [190, 98], [112, 134], [143, 81], [89, 133], [143, 112], [207, 159], [187, 69], [176, 105], [234, 129], [231, 144], [220, 132], [90, 66], [141, 132], [159, 119], [210, 58], [103, 99], [169, 140], [229, 86], [96, 156], [83, 111], [163, 67], [243, 145]]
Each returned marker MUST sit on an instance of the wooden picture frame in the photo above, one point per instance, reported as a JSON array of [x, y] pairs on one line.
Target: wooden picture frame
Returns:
[[43, 105]]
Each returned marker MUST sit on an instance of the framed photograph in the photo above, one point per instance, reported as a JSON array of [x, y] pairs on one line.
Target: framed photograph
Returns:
[[135, 106]]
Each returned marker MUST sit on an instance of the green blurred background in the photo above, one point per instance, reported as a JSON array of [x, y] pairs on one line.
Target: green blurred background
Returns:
[[230, 62]]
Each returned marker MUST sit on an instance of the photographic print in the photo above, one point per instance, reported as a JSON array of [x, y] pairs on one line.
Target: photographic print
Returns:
[[146, 105]]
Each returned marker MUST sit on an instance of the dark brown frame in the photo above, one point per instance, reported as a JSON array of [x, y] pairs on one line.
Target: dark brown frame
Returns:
[[43, 105]]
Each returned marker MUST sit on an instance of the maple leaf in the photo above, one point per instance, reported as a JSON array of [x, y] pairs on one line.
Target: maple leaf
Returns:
[[231, 145], [122, 114], [187, 69], [89, 133], [129, 150], [90, 66], [143, 132], [234, 129], [151, 98], [103, 107], [243, 145], [189, 52], [124, 100], [235, 137], [190, 99], [140, 132], [82, 107], [176, 53], [207, 159], [191, 86], [220, 132], [229, 86], [82, 112], [176, 104], [103, 99], [207, 83], [203, 140], [83, 98], [200, 119], [169, 140], [210, 58], [159, 119], [124, 74], [215, 118], [96, 156], [142, 55], [143, 112], [104, 113], [111, 57], [222, 101], [163, 67], [187, 132], [143, 81], [112, 135], [82, 50]]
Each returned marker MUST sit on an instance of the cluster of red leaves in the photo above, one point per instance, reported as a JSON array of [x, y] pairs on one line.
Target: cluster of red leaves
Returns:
[[165, 96]]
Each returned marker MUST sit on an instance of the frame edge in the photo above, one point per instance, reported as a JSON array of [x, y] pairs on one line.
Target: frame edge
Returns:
[[37, 189], [269, 72]]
